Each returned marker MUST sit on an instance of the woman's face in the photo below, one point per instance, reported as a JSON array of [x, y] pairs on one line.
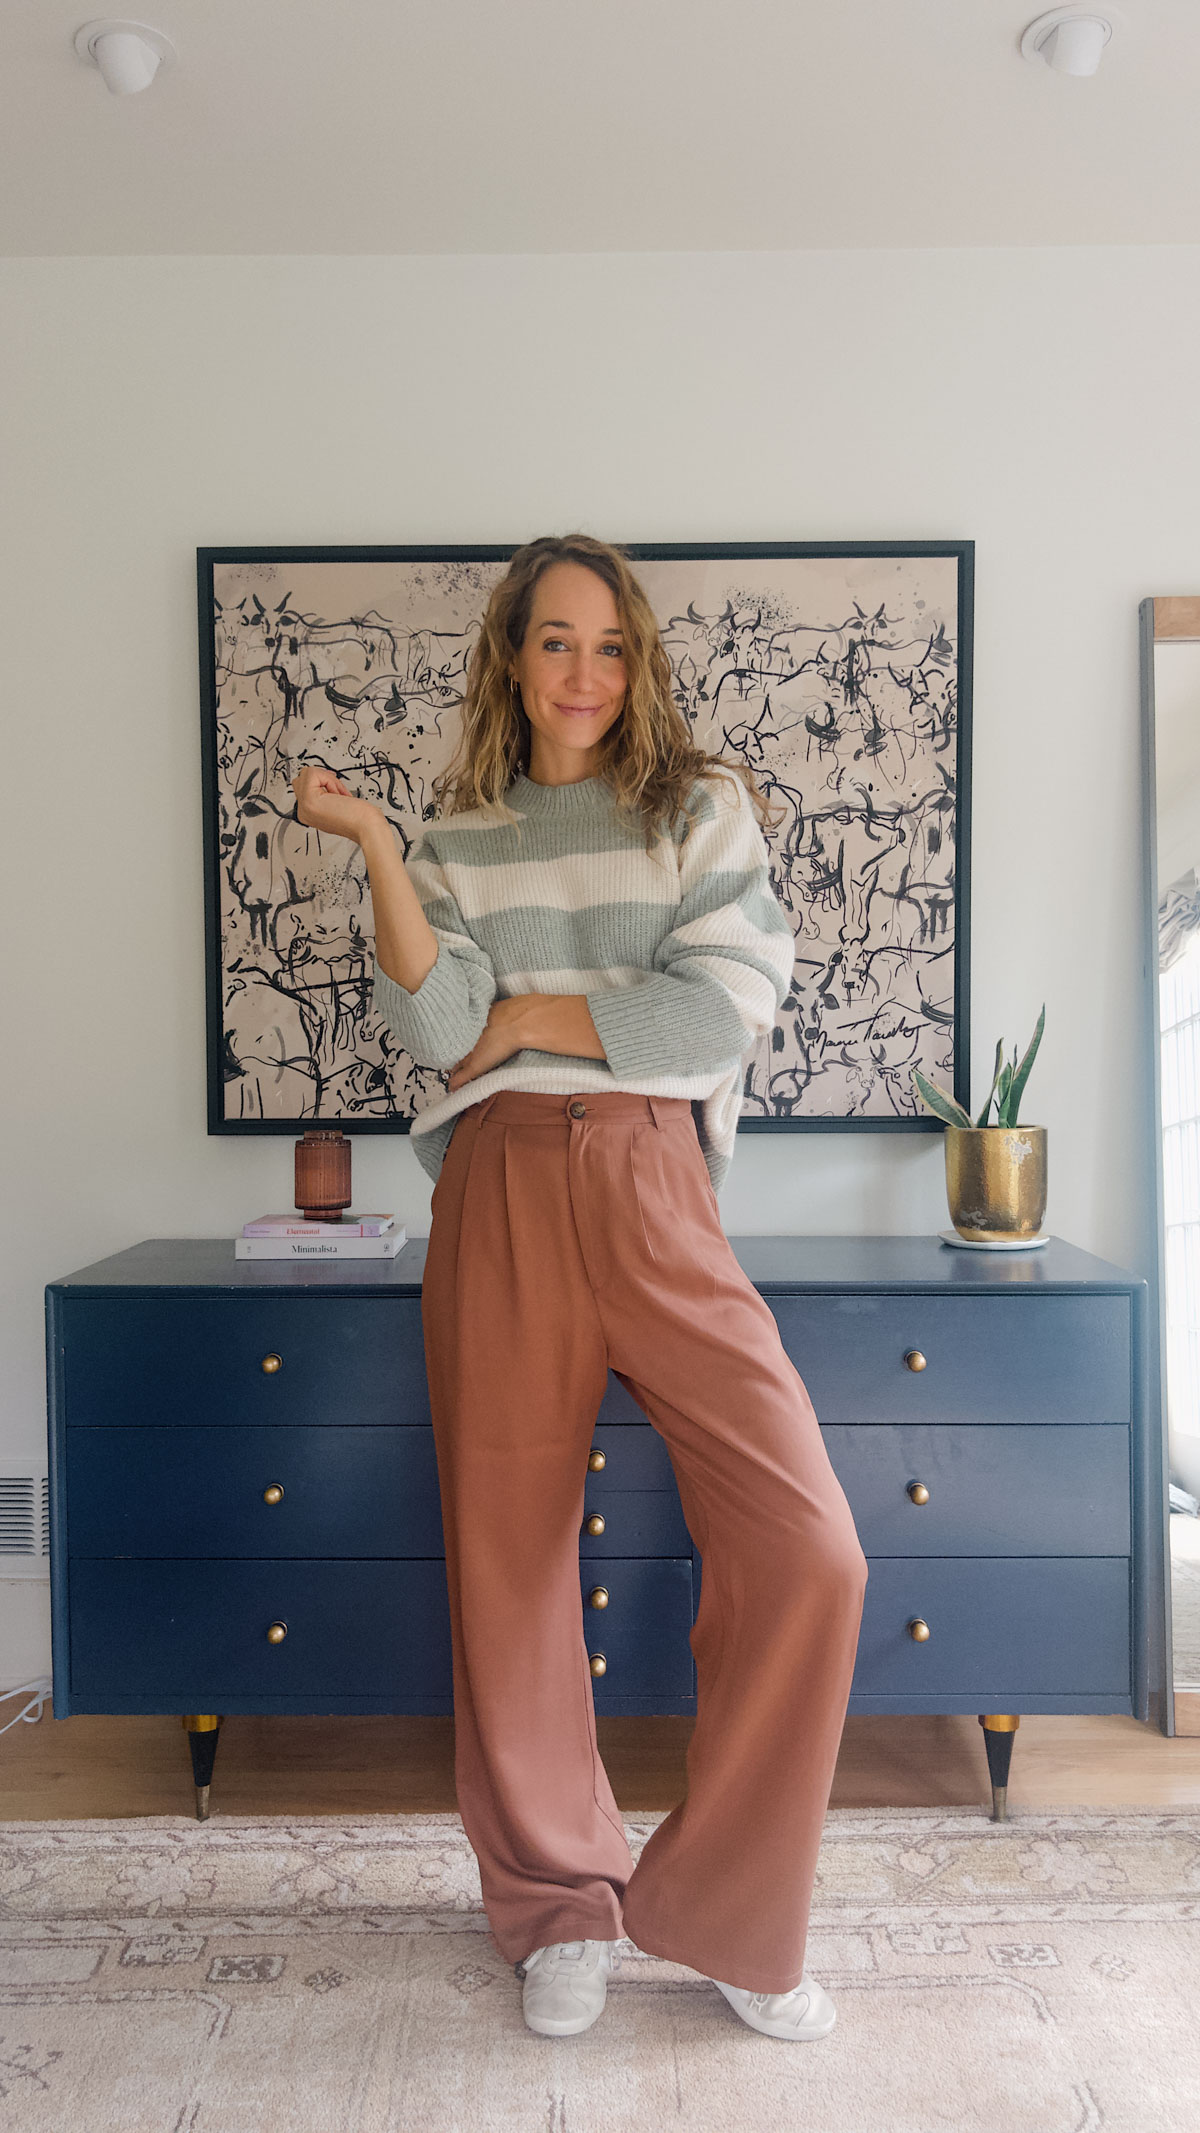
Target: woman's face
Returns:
[[571, 672]]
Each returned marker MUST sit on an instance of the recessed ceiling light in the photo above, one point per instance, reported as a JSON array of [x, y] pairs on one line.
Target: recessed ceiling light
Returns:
[[128, 54], [1069, 39]]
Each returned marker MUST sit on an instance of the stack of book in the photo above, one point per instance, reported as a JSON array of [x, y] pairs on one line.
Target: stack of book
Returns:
[[292, 1237]]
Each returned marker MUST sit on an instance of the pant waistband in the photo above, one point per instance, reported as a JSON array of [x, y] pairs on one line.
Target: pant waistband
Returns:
[[540, 1107]]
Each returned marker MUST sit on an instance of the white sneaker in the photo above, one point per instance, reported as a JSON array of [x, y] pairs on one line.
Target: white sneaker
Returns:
[[806, 2011], [566, 1985]]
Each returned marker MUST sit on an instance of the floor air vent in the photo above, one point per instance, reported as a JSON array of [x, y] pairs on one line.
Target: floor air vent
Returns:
[[24, 1525]]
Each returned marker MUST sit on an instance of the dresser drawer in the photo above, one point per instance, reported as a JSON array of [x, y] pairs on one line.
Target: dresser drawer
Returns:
[[636, 1522], [1024, 1358], [999, 1629], [187, 1635], [347, 1491], [644, 1628], [198, 1490], [1022, 1490], [199, 1358]]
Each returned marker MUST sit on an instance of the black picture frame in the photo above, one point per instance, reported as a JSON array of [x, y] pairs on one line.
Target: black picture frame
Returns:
[[242, 819]]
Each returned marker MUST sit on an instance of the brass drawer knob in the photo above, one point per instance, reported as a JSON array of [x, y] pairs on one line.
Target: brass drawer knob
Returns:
[[914, 1359], [918, 1630], [598, 1664], [274, 1494], [598, 1596], [277, 1633], [595, 1524], [918, 1491], [272, 1363], [597, 1462]]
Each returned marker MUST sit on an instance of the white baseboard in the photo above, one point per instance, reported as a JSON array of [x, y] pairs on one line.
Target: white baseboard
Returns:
[[24, 1628]]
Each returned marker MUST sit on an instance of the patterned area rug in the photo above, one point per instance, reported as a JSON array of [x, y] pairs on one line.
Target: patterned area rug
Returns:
[[318, 1976]]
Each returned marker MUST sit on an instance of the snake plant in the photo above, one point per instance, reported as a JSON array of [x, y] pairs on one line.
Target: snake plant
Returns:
[[1008, 1086]]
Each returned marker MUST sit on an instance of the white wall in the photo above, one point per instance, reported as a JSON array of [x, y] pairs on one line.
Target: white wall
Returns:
[[1041, 402]]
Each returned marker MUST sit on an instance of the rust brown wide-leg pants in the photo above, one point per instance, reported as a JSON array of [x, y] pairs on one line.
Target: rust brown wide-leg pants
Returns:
[[571, 1235]]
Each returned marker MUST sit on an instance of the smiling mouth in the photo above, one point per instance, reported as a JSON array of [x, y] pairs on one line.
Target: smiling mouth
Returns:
[[580, 710]]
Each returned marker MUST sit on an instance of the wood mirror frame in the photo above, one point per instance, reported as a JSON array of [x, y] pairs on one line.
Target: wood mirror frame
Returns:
[[1175, 619]]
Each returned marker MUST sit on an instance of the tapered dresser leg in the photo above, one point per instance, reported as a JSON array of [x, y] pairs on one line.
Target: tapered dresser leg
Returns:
[[203, 1732], [998, 1730]]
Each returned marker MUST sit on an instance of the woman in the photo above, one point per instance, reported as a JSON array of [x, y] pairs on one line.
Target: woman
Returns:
[[586, 935]]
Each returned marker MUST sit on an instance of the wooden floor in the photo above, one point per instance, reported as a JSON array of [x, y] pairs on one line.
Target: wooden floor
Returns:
[[79, 1767]]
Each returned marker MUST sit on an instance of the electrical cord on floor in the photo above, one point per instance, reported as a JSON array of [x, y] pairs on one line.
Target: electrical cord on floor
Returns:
[[37, 1690]]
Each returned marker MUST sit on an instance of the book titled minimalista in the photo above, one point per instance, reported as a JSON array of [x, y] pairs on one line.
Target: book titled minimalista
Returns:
[[349, 1247]]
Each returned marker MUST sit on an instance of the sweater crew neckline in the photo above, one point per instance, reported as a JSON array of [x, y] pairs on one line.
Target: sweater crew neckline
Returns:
[[534, 799]]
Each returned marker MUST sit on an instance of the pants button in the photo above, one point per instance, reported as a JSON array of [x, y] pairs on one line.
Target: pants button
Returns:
[[577, 1110]]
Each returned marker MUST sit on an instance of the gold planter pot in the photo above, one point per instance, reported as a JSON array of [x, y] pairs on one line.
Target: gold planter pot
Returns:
[[996, 1181]]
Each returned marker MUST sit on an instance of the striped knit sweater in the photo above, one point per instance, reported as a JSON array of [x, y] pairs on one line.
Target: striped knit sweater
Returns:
[[684, 954]]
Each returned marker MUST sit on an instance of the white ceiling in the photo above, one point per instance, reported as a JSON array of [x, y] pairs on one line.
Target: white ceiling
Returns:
[[386, 126]]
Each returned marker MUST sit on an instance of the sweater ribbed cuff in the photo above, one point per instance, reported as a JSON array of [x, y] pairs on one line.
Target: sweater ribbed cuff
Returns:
[[667, 1025], [434, 1023]]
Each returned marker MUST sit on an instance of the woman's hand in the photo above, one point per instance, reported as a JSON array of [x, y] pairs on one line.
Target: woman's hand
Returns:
[[532, 1021], [325, 802], [501, 1036]]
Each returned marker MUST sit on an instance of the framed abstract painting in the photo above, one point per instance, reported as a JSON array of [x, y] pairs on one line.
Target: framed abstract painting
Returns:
[[839, 672]]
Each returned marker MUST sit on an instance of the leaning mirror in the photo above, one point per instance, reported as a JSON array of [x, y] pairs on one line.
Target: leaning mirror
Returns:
[[1170, 642]]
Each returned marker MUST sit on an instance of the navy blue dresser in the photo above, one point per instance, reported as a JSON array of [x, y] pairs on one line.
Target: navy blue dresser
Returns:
[[245, 1512]]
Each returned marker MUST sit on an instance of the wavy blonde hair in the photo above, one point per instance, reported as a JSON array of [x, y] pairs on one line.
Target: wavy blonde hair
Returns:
[[648, 756]]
